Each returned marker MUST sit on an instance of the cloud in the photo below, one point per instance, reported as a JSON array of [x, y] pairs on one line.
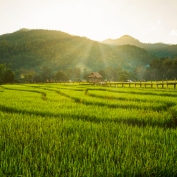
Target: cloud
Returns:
[[173, 32]]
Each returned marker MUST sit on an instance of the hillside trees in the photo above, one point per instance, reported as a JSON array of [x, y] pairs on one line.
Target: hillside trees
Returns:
[[138, 73], [6, 74], [37, 55], [159, 50], [103, 74], [116, 74], [161, 69], [46, 73], [33, 49], [27, 76], [123, 76], [61, 76]]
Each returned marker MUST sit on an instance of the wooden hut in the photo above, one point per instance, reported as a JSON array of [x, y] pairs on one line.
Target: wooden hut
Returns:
[[94, 77]]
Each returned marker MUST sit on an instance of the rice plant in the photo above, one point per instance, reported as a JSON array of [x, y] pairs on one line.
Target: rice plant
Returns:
[[82, 130]]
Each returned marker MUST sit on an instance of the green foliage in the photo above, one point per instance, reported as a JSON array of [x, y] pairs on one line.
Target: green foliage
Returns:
[[159, 50], [34, 49], [46, 73], [161, 69], [75, 130], [103, 74], [116, 74], [61, 76], [6, 74], [36, 56], [123, 76]]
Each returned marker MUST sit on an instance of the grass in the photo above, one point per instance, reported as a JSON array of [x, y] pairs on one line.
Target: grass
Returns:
[[82, 130]]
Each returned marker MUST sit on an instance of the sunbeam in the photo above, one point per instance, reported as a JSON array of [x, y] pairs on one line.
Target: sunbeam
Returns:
[[84, 57], [103, 56]]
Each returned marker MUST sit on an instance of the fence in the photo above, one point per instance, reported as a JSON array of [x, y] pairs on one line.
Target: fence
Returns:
[[157, 84]]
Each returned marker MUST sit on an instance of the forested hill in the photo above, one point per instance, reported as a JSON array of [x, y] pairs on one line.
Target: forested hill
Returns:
[[33, 49], [159, 50]]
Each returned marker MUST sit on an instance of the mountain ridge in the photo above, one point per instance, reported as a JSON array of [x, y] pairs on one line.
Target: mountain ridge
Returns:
[[123, 40], [126, 39], [34, 48], [159, 50]]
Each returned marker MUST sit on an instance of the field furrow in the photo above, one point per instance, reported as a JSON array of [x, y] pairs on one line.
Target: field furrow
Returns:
[[82, 130]]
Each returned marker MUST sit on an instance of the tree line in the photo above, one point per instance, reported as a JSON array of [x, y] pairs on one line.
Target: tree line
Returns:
[[7, 75], [161, 69], [158, 69]]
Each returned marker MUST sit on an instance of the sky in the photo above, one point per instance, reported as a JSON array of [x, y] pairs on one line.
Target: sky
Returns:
[[149, 21]]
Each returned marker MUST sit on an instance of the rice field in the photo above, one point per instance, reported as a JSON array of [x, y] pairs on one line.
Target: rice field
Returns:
[[84, 131]]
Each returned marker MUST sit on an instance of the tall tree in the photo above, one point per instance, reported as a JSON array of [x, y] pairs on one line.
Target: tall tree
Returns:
[[6, 74], [9, 76], [161, 69], [46, 73], [61, 76], [123, 76], [103, 74]]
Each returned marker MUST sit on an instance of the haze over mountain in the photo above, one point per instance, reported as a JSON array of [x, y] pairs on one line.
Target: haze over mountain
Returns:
[[159, 50], [124, 40], [32, 49]]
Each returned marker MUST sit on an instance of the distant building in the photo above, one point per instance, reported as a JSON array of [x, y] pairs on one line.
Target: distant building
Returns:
[[94, 77]]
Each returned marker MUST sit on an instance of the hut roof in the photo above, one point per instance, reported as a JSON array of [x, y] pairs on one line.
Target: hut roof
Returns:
[[95, 74]]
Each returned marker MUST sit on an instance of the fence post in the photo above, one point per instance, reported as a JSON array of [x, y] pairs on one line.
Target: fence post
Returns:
[[123, 85], [162, 83], [167, 83], [156, 85]]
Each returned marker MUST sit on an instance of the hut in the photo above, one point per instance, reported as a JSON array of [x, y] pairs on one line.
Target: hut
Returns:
[[94, 77]]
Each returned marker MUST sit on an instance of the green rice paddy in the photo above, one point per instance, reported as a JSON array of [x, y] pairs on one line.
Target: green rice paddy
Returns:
[[87, 131]]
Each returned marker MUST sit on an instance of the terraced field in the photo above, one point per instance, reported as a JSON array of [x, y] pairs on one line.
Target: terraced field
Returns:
[[82, 130]]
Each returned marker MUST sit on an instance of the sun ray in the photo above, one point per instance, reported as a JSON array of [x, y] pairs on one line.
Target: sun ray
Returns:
[[84, 56], [72, 50], [103, 55]]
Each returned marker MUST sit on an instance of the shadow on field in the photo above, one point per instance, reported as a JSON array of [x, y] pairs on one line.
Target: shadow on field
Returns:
[[155, 93], [43, 94], [165, 106], [129, 121], [121, 98], [145, 93]]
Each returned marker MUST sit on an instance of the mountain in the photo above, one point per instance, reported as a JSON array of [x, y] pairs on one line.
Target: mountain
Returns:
[[124, 40], [33, 49], [159, 50]]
